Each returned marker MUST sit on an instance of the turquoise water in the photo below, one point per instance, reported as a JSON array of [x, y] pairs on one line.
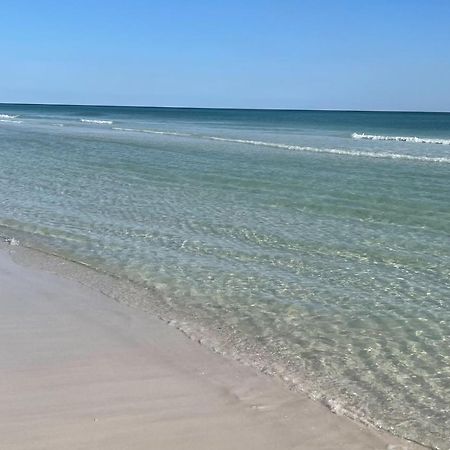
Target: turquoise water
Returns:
[[318, 243]]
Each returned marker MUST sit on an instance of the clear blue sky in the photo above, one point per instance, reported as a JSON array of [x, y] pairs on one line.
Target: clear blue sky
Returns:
[[339, 54]]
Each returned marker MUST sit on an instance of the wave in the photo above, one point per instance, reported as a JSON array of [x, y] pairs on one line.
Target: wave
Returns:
[[413, 139], [136, 130], [7, 118], [97, 121], [333, 151], [10, 121], [336, 151]]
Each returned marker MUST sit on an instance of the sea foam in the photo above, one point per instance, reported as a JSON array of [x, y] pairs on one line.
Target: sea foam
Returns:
[[336, 151], [97, 121], [416, 140], [7, 118], [137, 130]]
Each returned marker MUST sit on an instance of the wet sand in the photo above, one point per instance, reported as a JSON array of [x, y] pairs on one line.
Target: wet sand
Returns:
[[81, 371]]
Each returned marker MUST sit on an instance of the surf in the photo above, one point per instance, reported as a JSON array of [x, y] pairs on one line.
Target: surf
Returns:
[[292, 147], [97, 121], [413, 139], [335, 151]]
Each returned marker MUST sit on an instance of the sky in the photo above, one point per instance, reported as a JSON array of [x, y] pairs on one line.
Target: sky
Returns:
[[304, 54]]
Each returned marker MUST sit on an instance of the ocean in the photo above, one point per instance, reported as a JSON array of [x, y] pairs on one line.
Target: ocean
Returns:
[[314, 245]]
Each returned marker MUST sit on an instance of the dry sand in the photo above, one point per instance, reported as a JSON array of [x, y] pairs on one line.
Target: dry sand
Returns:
[[80, 371]]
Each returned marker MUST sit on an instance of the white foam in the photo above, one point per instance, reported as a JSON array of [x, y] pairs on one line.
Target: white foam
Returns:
[[97, 121], [413, 139], [167, 133], [7, 118], [12, 241], [336, 151], [10, 121]]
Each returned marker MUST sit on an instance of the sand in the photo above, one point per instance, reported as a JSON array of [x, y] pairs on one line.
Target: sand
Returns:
[[81, 371]]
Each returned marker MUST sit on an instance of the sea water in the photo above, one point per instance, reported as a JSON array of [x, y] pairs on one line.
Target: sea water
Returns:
[[315, 242]]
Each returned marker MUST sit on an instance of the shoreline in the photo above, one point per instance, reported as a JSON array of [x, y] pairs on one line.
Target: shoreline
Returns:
[[139, 339]]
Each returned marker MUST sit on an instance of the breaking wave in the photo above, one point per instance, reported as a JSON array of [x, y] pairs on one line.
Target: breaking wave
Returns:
[[96, 121], [336, 151], [10, 121], [7, 118], [136, 130], [416, 140], [333, 151]]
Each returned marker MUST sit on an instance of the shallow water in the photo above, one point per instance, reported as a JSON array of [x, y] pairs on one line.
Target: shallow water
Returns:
[[322, 254]]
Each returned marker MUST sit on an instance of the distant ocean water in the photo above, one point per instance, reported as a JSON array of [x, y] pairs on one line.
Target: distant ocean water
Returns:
[[318, 242]]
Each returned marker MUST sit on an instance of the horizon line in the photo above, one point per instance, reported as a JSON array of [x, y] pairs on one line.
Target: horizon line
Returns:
[[226, 108]]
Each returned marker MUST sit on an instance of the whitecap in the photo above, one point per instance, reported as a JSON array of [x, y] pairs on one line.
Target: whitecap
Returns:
[[137, 130], [336, 151], [97, 121], [10, 121], [413, 139]]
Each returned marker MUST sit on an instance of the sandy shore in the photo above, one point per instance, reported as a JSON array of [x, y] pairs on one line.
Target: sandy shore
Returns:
[[80, 371]]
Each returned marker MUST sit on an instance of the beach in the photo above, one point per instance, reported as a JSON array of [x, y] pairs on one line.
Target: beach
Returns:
[[79, 370], [225, 226], [312, 246]]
